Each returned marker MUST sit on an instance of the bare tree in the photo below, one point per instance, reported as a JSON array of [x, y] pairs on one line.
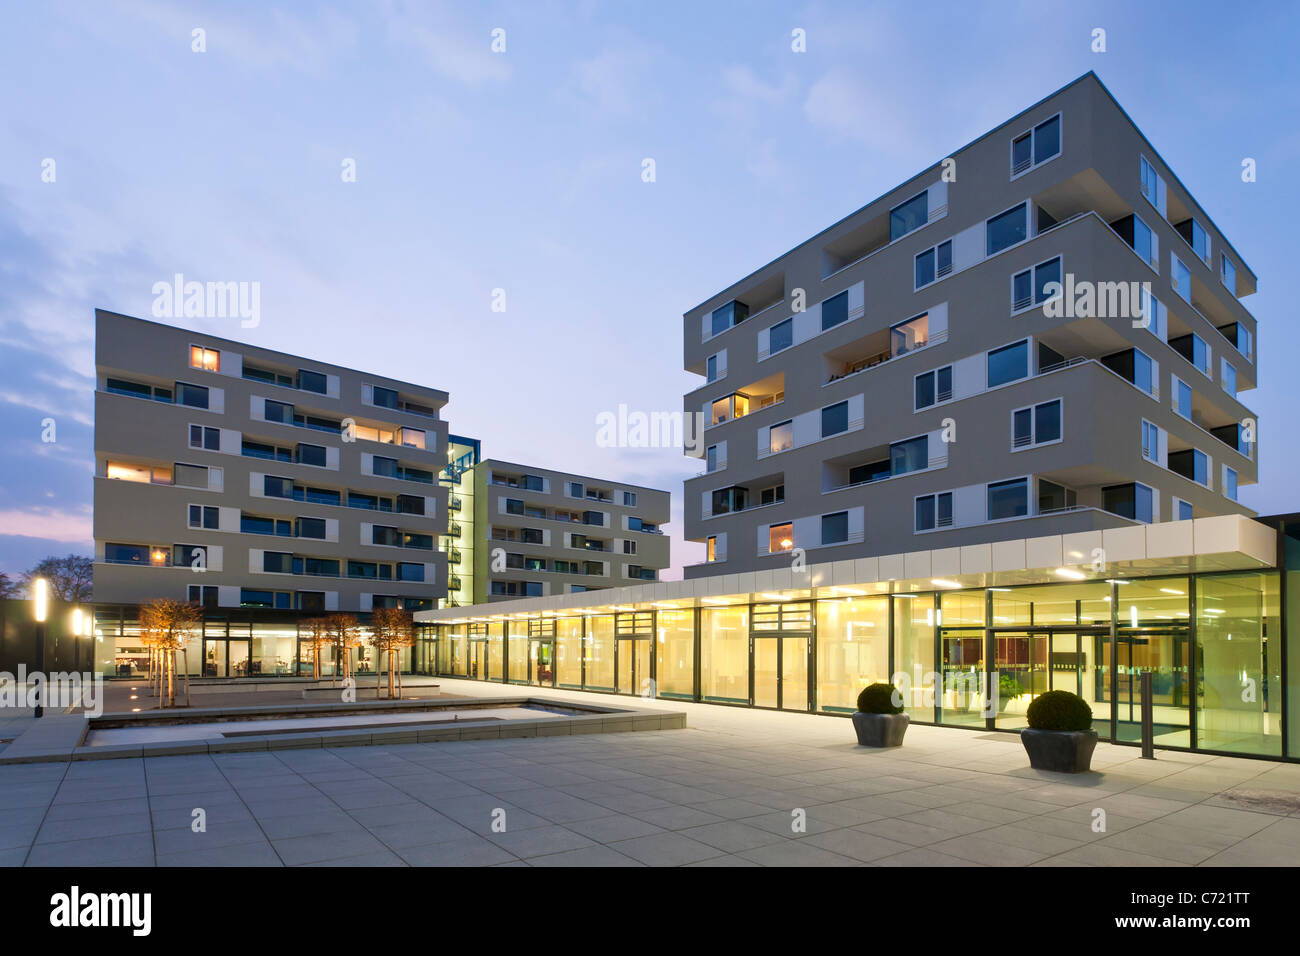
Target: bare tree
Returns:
[[70, 577], [9, 588], [168, 626], [344, 634], [315, 634], [391, 629]]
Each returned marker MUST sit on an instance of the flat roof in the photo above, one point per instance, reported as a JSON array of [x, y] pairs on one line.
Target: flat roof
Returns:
[[568, 474], [1220, 543]]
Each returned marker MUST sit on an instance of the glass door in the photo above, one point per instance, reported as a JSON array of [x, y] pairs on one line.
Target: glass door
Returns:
[[1164, 653], [962, 657], [634, 665], [1022, 674], [780, 672], [478, 659], [541, 663], [214, 658], [238, 656]]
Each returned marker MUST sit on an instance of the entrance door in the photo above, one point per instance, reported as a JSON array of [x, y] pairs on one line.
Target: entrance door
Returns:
[[541, 663], [962, 700], [238, 657], [780, 678], [478, 660], [1164, 654], [634, 665]]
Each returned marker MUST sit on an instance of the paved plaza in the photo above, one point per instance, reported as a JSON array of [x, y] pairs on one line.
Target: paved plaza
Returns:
[[736, 788]]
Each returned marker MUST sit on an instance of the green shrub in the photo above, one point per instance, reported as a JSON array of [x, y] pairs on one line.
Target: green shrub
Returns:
[[879, 699], [1059, 710], [1008, 690]]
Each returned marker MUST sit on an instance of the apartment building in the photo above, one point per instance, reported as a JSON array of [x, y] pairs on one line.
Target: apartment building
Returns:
[[261, 485], [547, 532], [1041, 334]]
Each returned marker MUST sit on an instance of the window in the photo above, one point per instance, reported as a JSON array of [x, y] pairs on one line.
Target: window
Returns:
[[1009, 363], [1132, 500], [311, 455], [1183, 510], [385, 536], [207, 359], [731, 314], [727, 500], [312, 381], [311, 528], [1228, 377], [629, 547], [910, 455], [711, 458], [711, 548], [407, 571], [278, 412], [772, 496], [1008, 499], [933, 387], [1227, 273], [254, 597], [780, 336], [634, 524], [1036, 425], [1036, 146], [384, 397], [1150, 442], [1230, 483], [203, 516], [1182, 398], [254, 524], [1029, 288], [1196, 236], [934, 511], [629, 499], [910, 215], [273, 487], [203, 594], [1006, 229], [384, 467], [1180, 277], [835, 310], [1193, 348], [1144, 242], [195, 396], [780, 537], [934, 263], [835, 419], [1054, 497], [835, 528], [277, 562], [1191, 463], [711, 368], [1133, 365], [1150, 182], [410, 504], [781, 437], [190, 476], [127, 554], [910, 335], [209, 439]]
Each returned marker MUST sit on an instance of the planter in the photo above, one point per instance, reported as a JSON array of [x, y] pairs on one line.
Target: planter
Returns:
[[880, 730], [1064, 751]]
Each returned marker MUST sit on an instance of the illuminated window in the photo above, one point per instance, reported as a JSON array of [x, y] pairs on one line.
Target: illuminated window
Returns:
[[780, 537], [712, 553], [207, 359]]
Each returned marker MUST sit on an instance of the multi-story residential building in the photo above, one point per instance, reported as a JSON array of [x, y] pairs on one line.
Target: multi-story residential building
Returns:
[[547, 532], [1040, 334], [260, 485]]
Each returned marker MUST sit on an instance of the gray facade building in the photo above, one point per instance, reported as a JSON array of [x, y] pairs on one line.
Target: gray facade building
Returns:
[[1040, 334]]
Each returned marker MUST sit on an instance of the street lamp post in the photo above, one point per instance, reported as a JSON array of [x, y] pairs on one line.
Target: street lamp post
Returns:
[[41, 595]]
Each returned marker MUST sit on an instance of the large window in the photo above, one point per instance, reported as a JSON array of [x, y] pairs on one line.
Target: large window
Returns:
[[1036, 425], [1228, 273], [1029, 288], [1008, 499], [835, 310], [835, 419], [568, 652], [910, 335], [933, 387], [1150, 441], [1230, 483], [1036, 146], [1009, 363], [1191, 463], [600, 652], [835, 528], [195, 396], [1180, 277], [724, 654], [910, 455], [1182, 398], [780, 537], [934, 263], [675, 654], [780, 336], [852, 650], [781, 437], [190, 476], [914, 621], [934, 511], [1131, 500], [207, 359], [1239, 638], [1006, 229], [910, 215]]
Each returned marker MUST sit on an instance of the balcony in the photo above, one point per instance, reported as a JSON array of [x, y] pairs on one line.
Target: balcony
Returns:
[[754, 398]]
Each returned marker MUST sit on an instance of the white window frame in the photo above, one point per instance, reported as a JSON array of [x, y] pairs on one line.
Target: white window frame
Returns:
[[952, 518], [1175, 261], [1227, 371], [1174, 503], [937, 401], [1033, 425], [1154, 456], [1030, 507], [938, 276], [1011, 146], [1236, 478], [1173, 396], [1224, 261], [1033, 285]]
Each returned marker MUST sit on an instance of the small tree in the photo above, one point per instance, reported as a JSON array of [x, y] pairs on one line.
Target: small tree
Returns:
[[9, 587], [315, 634], [70, 577], [168, 625], [344, 634], [391, 629]]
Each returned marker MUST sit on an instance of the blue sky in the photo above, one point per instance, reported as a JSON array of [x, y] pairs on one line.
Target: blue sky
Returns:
[[522, 171]]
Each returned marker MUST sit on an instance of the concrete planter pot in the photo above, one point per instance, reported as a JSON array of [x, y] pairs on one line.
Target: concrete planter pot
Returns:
[[880, 730], [1063, 751]]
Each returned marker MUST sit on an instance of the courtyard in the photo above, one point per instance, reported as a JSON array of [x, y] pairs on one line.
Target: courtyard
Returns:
[[737, 787]]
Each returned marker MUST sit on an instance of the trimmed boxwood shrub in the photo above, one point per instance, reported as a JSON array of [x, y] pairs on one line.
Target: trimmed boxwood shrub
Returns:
[[1059, 710], [878, 699]]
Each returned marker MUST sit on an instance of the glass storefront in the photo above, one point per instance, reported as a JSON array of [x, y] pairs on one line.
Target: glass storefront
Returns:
[[675, 654], [568, 652], [724, 654], [852, 650]]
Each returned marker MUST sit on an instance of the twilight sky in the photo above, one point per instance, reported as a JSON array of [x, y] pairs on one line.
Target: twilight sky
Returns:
[[522, 171]]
